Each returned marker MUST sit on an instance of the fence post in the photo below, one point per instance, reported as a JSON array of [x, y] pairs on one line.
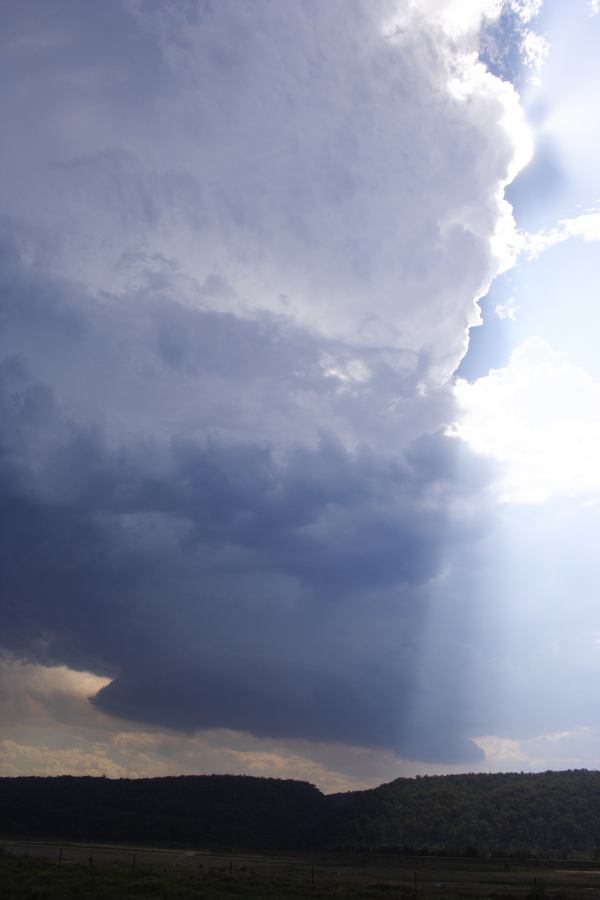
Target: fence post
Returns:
[[133, 863], [60, 855]]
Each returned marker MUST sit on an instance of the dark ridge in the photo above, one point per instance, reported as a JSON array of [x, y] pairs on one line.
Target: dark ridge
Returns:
[[483, 814], [213, 811], [553, 812]]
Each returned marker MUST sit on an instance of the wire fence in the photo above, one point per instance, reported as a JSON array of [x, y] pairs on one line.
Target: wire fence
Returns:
[[426, 880]]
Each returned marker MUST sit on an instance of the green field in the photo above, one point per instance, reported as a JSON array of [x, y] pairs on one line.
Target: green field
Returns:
[[86, 872]]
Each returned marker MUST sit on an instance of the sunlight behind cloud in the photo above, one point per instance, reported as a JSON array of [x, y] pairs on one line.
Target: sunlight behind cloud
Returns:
[[540, 419], [456, 17]]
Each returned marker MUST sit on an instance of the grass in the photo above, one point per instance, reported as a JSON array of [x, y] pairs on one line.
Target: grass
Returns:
[[29, 878], [34, 879]]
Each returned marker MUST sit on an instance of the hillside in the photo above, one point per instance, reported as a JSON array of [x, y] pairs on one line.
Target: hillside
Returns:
[[456, 814], [474, 813], [202, 811]]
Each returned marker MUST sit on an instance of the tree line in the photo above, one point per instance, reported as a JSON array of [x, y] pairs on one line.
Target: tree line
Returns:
[[482, 814]]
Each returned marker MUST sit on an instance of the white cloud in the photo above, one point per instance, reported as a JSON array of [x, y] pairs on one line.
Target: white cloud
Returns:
[[575, 748], [307, 182], [457, 17], [507, 310], [585, 226], [535, 49], [463, 17], [526, 9], [540, 419]]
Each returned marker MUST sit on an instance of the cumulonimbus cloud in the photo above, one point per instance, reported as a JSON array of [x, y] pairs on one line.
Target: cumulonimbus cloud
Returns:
[[241, 253]]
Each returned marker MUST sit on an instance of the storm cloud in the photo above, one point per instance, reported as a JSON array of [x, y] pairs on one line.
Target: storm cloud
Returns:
[[241, 249], [223, 582]]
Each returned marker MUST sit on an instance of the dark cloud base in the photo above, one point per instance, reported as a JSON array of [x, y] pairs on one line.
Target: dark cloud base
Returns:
[[229, 584]]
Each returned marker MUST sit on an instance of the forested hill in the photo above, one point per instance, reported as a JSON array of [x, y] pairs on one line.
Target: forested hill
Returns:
[[202, 811], [504, 813], [483, 814]]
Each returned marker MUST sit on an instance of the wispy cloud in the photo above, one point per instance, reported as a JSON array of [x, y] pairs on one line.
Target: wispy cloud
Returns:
[[586, 226]]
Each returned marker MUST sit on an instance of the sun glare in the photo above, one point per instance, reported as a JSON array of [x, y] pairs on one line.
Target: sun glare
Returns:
[[539, 418]]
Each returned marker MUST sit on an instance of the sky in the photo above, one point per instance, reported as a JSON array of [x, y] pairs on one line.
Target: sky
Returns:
[[299, 391]]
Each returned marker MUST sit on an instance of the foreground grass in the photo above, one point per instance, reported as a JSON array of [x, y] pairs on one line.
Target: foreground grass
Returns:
[[29, 878], [35, 879]]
